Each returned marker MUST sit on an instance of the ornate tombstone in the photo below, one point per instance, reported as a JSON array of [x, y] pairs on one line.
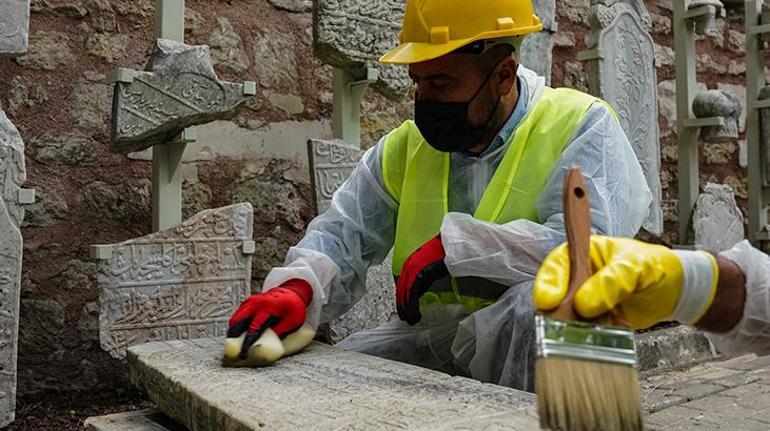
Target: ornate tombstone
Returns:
[[12, 176], [331, 163], [354, 34], [179, 89], [622, 72], [14, 26], [717, 221], [177, 284]]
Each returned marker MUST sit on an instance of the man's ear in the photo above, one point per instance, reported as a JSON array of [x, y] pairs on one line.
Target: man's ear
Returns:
[[506, 76]]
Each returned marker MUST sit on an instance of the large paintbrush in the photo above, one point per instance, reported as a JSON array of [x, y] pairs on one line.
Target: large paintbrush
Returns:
[[585, 373]]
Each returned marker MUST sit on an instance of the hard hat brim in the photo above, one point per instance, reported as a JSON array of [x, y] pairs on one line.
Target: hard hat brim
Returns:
[[417, 52]]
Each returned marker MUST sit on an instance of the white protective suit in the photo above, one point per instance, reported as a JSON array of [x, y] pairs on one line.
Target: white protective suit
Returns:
[[752, 333], [494, 344]]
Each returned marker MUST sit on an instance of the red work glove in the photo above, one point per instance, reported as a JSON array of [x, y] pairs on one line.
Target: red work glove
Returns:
[[283, 309], [420, 270]]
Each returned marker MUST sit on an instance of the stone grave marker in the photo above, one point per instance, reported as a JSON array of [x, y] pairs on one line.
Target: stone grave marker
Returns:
[[12, 176], [717, 220], [354, 34], [537, 48], [622, 72], [328, 389], [180, 283], [179, 89], [331, 163], [14, 27]]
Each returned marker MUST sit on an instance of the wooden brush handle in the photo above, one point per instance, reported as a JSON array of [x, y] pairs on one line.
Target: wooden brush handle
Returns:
[[577, 221]]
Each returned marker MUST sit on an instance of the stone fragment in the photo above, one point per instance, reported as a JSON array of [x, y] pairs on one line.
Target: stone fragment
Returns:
[[736, 68], [14, 27], [707, 24], [47, 210], [179, 89], [181, 283], [329, 389], [575, 11], [718, 103], [65, 149], [671, 348], [331, 163], [660, 24], [126, 201], [720, 153], [141, 420], [627, 79], [717, 220], [736, 41], [740, 91], [48, 50], [575, 76], [12, 176], [293, 5], [667, 100], [26, 94], [351, 34], [706, 63], [227, 47]]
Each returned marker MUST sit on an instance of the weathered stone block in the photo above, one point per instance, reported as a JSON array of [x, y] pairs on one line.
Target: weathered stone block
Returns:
[[671, 348], [14, 27], [329, 389], [180, 283], [718, 103], [625, 77], [12, 176], [179, 89], [351, 34], [537, 49], [141, 420], [331, 163], [717, 220]]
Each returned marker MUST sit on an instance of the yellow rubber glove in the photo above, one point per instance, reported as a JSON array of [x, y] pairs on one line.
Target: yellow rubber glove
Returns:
[[639, 283]]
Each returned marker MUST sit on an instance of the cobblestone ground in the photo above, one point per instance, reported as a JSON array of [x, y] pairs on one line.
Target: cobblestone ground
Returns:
[[728, 395]]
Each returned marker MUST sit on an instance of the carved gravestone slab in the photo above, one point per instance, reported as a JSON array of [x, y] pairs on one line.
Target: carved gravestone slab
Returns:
[[179, 89], [351, 34], [537, 49], [14, 27], [180, 283], [717, 220], [331, 163], [12, 176], [328, 389], [625, 77]]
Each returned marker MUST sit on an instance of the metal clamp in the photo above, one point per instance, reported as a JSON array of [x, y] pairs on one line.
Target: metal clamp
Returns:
[[122, 75], [26, 196], [249, 247], [695, 123], [101, 252]]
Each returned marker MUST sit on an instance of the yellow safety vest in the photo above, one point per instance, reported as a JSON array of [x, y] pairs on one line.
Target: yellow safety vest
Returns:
[[417, 175]]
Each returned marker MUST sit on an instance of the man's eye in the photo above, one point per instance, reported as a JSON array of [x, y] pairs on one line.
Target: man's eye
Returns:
[[441, 84]]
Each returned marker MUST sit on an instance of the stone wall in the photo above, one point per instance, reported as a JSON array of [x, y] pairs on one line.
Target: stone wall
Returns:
[[720, 65], [86, 195]]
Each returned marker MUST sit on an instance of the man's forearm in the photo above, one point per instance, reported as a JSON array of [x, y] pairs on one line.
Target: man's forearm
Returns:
[[729, 301]]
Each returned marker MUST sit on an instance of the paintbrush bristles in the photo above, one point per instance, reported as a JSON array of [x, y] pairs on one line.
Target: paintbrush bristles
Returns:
[[578, 395]]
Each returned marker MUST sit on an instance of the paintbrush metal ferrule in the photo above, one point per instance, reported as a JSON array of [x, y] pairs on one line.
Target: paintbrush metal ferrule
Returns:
[[584, 340]]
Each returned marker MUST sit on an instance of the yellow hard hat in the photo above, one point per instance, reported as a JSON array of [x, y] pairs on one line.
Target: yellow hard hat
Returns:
[[433, 28]]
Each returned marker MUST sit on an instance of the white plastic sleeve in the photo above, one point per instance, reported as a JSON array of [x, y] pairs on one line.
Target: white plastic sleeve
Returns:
[[699, 286]]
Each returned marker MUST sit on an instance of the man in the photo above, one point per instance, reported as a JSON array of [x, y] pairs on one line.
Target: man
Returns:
[[468, 196], [728, 296]]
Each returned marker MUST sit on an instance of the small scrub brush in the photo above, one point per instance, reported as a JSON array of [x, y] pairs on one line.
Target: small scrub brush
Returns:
[[585, 372]]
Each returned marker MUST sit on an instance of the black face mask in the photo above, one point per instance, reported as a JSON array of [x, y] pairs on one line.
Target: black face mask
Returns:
[[444, 125]]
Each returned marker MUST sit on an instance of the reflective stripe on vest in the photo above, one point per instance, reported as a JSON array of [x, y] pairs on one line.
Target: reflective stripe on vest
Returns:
[[417, 176]]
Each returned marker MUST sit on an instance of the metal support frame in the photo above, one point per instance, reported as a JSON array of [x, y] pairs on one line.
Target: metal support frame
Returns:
[[688, 126], [167, 159], [759, 189], [348, 92]]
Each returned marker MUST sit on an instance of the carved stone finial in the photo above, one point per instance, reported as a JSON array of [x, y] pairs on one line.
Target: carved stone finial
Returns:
[[718, 103], [706, 24]]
